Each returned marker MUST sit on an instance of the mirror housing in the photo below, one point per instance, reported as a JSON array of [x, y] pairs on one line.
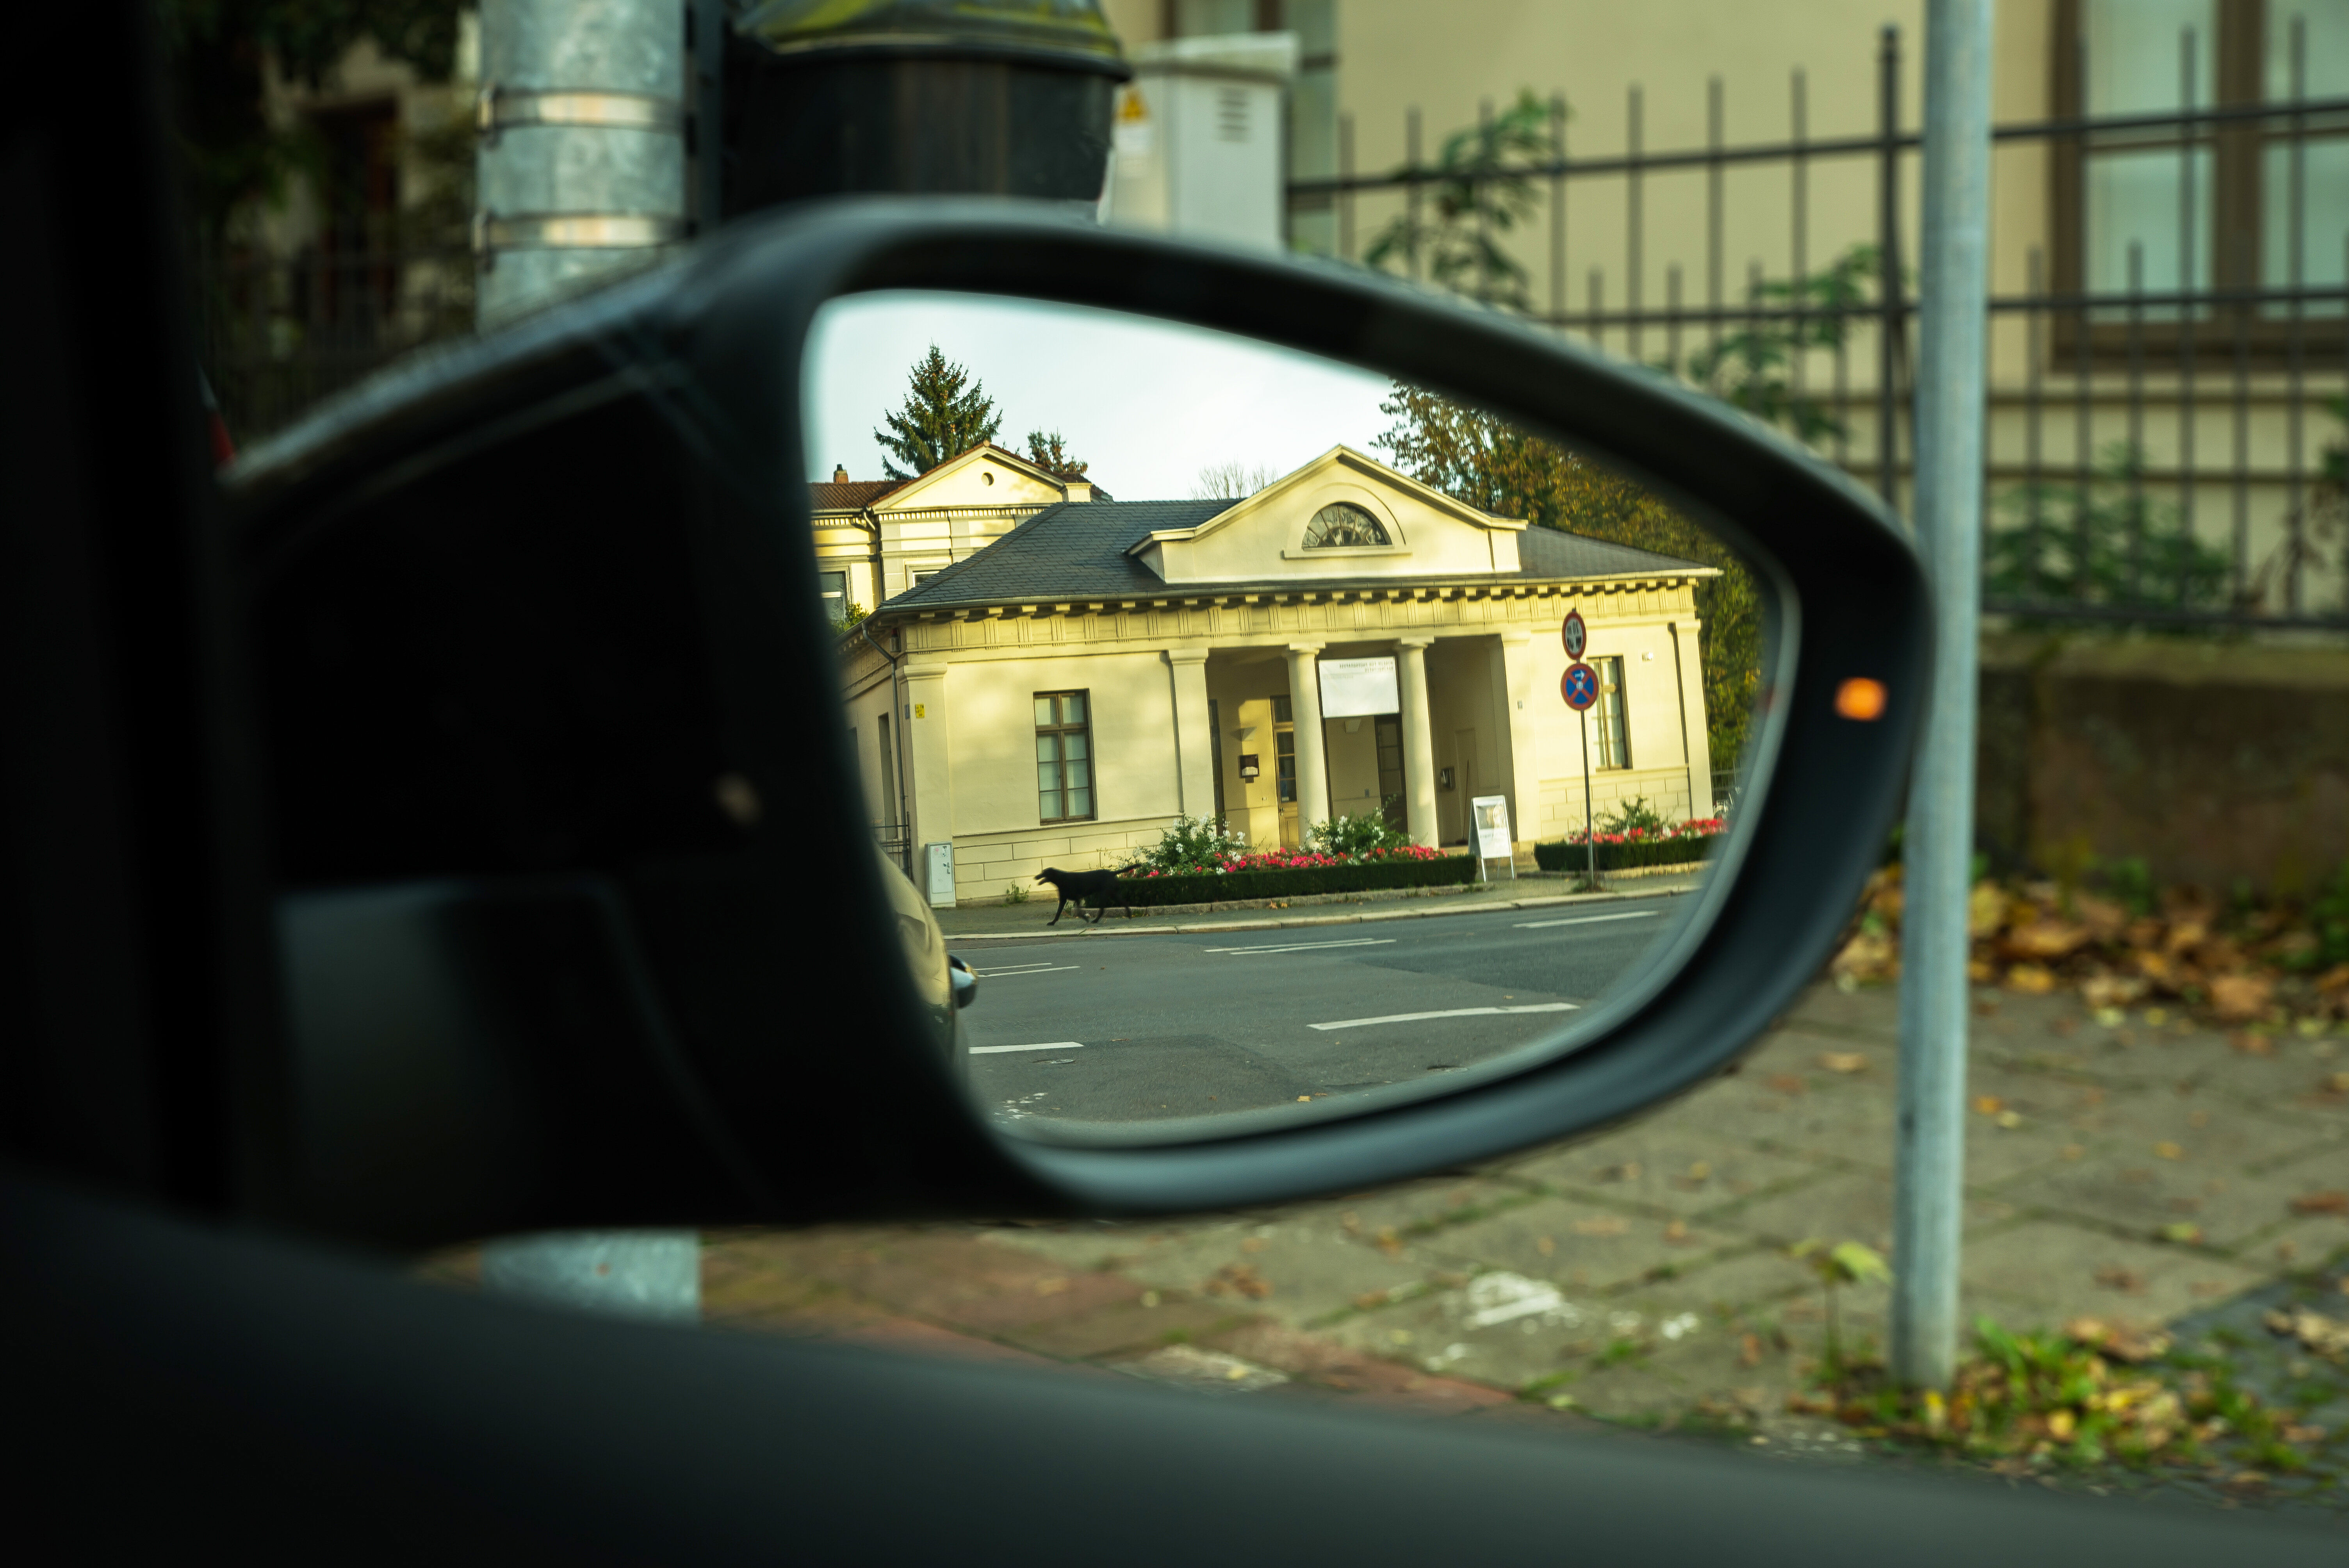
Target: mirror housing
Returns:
[[522, 611]]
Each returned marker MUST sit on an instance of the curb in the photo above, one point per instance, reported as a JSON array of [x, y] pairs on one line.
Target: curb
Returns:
[[1311, 920]]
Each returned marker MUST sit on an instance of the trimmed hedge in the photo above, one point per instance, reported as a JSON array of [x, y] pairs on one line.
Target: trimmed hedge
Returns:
[[1562, 856], [1217, 888]]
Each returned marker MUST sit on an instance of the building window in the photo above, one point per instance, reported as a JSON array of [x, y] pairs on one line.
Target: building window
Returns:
[[1614, 729], [2244, 204], [1344, 526], [1064, 757], [835, 594], [1284, 750]]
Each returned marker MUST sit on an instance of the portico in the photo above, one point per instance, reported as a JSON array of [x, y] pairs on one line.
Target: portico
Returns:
[[1107, 668]]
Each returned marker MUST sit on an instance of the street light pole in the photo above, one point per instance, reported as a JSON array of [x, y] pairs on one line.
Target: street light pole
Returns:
[[1938, 848]]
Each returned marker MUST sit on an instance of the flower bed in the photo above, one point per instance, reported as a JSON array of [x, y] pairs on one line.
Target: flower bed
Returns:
[[1294, 873], [1636, 847]]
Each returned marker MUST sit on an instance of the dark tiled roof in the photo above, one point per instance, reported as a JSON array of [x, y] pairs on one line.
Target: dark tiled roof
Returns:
[[1549, 552], [849, 497], [1071, 550], [1076, 550]]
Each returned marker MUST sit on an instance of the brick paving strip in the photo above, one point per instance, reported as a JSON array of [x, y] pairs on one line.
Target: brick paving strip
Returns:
[[1642, 1277]]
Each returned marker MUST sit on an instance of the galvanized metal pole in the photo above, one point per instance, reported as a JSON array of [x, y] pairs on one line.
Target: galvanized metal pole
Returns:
[[581, 175], [581, 169], [1938, 851]]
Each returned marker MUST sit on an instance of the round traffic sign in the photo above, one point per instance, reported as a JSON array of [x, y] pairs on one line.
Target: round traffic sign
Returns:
[[1580, 686], [1575, 635]]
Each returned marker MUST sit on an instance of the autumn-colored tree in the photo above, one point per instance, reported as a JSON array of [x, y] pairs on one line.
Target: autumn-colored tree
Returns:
[[1498, 468], [945, 414]]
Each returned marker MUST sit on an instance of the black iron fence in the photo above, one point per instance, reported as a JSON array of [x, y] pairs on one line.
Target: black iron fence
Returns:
[[278, 333], [2166, 453]]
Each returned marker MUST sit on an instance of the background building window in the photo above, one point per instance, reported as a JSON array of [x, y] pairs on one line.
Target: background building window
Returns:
[[835, 594], [2237, 205], [1064, 757], [1614, 729]]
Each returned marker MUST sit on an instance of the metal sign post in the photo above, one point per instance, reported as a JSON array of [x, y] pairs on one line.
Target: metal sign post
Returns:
[[1581, 689]]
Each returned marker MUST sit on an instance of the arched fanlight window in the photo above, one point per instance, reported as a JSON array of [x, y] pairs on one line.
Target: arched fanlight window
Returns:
[[1342, 525]]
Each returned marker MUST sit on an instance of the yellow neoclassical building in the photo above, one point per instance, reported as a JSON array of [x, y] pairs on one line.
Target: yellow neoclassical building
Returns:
[[879, 537], [1345, 640]]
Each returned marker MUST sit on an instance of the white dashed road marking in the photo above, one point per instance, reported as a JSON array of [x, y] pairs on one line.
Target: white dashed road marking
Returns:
[[1306, 946], [1447, 1013], [1582, 919], [1047, 1045]]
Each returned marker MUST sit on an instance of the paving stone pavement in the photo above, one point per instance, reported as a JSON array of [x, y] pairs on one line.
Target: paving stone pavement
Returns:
[[1642, 1276]]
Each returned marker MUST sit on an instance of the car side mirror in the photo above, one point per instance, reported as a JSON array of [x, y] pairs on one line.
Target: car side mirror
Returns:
[[581, 917]]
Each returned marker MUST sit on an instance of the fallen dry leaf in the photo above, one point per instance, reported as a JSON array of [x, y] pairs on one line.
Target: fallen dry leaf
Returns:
[[2168, 1152], [1988, 1105], [1369, 1299], [1546, 1245], [1786, 1083], [2045, 939], [1985, 910], [2103, 991], [1052, 1287], [2236, 998], [1843, 1061], [2031, 979], [1749, 1350], [2184, 1232], [1677, 1230], [2333, 979], [2245, 1043], [2327, 1337], [2120, 1342], [2324, 1203], [1604, 1226], [2112, 1277]]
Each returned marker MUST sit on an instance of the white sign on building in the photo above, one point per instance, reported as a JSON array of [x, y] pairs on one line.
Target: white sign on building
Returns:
[[1359, 688]]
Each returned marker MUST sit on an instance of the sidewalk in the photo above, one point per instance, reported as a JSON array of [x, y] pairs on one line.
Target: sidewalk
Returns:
[[989, 923], [2141, 1174]]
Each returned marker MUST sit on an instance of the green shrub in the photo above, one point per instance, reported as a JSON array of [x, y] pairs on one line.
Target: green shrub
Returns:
[[1193, 841], [1634, 816], [1298, 882], [1356, 834]]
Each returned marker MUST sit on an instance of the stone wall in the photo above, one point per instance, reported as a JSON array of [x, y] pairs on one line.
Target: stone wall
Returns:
[[2218, 763]]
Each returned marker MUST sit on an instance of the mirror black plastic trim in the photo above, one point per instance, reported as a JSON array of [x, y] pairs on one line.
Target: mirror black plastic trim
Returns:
[[719, 339]]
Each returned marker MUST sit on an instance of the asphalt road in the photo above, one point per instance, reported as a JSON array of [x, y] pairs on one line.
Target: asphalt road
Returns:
[[1135, 1028]]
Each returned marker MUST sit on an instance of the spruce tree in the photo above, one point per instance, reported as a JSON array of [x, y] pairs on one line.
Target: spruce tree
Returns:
[[1049, 451], [945, 415]]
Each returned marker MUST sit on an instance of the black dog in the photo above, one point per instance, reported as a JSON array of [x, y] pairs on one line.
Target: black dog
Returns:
[[1076, 887]]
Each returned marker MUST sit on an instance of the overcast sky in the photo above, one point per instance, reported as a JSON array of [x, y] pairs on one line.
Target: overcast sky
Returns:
[[1146, 403]]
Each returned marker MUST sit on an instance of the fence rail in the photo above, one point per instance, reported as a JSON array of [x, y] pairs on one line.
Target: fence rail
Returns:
[[2163, 453]]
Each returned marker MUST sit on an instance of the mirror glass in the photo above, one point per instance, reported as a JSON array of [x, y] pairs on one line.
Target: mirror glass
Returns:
[[1255, 724]]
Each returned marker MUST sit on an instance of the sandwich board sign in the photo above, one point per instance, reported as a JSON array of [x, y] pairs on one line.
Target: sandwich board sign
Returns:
[[1490, 817], [1575, 635]]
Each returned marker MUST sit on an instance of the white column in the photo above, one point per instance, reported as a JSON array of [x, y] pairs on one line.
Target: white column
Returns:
[[1511, 664], [1690, 665], [1194, 768], [1418, 737], [1312, 766]]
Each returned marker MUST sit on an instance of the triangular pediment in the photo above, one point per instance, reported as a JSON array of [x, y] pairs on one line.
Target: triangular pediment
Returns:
[[985, 476], [1374, 521]]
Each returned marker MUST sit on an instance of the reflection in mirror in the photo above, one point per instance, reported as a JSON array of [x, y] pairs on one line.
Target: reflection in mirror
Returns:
[[1256, 725]]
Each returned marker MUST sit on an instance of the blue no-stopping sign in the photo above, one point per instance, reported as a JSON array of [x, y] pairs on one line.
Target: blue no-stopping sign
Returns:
[[1580, 686]]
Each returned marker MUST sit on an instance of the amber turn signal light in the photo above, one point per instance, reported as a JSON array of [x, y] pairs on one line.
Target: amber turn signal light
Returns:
[[1861, 699]]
